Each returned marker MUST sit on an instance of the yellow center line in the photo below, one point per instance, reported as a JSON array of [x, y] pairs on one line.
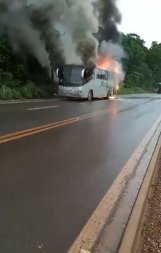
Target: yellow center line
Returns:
[[40, 129]]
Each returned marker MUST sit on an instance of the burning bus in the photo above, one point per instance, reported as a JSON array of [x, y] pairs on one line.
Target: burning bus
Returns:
[[78, 81]]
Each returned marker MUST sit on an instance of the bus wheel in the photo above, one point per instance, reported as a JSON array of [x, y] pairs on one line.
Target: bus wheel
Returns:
[[90, 95]]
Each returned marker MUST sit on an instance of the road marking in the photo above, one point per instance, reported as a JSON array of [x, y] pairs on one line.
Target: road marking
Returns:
[[43, 108], [27, 101], [40, 129], [90, 234]]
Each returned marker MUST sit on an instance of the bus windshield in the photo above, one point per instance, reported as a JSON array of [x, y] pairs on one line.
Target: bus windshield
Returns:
[[71, 76]]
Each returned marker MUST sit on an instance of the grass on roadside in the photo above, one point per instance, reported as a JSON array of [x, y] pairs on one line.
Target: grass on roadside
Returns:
[[28, 91], [133, 90]]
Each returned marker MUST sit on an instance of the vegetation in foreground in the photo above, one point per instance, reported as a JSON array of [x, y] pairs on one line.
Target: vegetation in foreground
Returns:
[[21, 76]]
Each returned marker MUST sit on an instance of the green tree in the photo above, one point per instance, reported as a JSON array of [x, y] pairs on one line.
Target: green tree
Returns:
[[137, 70], [21, 75], [154, 60], [5, 54]]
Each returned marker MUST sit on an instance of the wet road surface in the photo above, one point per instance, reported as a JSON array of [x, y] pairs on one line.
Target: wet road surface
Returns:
[[51, 182]]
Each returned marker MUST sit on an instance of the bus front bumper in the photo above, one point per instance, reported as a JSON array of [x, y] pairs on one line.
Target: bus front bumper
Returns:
[[70, 92]]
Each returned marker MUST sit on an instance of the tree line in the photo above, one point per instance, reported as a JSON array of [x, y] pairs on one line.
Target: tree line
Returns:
[[21, 75], [142, 65]]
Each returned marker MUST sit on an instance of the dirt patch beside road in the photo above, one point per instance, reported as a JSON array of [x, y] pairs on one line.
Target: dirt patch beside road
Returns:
[[151, 233]]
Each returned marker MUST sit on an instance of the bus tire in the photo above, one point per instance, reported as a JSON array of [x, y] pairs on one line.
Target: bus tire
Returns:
[[90, 96]]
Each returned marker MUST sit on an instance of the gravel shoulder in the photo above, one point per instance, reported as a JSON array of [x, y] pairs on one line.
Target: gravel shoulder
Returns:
[[151, 233]]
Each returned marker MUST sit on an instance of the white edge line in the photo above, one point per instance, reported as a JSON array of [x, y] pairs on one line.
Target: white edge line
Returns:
[[27, 101], [89, 235], [43, 108]]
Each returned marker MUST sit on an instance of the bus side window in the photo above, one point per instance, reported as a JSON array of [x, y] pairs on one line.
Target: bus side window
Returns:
[[103, 75], [99, 74], [106, 75]]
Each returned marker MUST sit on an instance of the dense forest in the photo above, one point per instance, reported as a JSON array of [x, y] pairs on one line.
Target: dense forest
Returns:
[[21, 76], [142, 65]]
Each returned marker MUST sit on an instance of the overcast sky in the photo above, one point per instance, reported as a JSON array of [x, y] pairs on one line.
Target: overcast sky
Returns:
[[142, 17]]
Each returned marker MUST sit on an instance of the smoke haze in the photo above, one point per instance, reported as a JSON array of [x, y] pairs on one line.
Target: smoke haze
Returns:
[[59, 31]]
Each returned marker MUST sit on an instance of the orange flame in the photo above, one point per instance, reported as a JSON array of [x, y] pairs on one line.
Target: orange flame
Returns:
[[104, 62], [107, 63]]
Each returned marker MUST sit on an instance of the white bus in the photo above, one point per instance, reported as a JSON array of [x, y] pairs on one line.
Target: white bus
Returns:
[[76, 81]]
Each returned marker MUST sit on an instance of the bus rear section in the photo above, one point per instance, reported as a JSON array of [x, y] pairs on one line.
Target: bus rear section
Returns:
[[76, 81]]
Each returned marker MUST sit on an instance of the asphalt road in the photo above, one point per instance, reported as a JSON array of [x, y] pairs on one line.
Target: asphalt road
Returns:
[[52, 181]]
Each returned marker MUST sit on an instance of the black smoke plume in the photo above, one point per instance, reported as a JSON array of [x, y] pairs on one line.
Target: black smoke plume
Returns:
[[59, 31]]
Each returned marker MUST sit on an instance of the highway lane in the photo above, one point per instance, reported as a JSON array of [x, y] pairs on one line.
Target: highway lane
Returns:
[[51, 182], [16, 117]]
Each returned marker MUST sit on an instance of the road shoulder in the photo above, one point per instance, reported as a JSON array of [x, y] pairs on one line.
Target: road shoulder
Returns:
[[105, 228], [136, 237]]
